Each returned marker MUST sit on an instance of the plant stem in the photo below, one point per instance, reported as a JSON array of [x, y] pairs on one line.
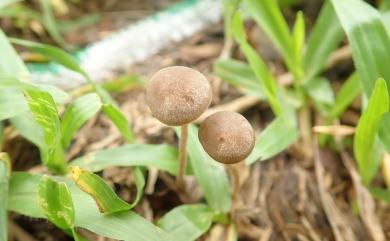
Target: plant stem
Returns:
[[235, 181], [182, 157]]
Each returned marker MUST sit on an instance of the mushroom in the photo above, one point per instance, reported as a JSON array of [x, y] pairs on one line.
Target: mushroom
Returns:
[[227, 137], [176, 96]]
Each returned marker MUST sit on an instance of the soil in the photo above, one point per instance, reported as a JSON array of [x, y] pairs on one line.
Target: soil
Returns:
[[289, 197]]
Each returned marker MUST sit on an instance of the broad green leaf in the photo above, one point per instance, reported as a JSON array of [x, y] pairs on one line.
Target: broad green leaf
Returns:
[[127, 225], [12, 103], [348, 93], [269, 16], [55, 201], [258, 66], [210, 174], [10, 63], [76, 114], [368, 39], [240, 75], [384, 131], [275, 138], [163, 157], [326, 35], [59, 96], [364, 141], [30, 129], [106, 199], [44, 111], [49, 21], [5, 172], [298, 38], [381, 194], [53, 53], [119, 120], [187, 222]]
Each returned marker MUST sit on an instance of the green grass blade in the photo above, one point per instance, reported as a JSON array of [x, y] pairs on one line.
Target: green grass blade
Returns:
[[240, 75], [346, 95], [258, 66], [5, 171], [53, 53], [163, 157], [326, 35], [269, 16], [368, 39], [49, 21], [10, 63], [119, 120], [366, 130], [275, 138], [187, 222], [106, 199], [12, 103], [55, 201], [381, 194], [126, 225], [76, 114], [384, 131], [44, 111], [321, 92], [210, 174], [298, 39], [140, 184]]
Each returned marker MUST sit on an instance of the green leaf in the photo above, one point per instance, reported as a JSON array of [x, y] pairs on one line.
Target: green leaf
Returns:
[[5, 172], [12, 103], [268, 15], [384, 131], [381, 194], [266, 80], [106, 199], [364, 141], [126, 225], [29, 129], [44, 111], [210, 174], [140, 184], [77, 113], [119, 120], [10, 63], [275, 138], [55, 201], [368, 39], [326, 35], [53, 53], [187, 222], [320, 90], [298, 38], [240, 75], [346, 95], [49, 21], [163, 157]]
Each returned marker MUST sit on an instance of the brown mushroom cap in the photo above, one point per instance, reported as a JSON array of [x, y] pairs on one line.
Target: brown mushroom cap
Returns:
[[178, 95], [227, 137]]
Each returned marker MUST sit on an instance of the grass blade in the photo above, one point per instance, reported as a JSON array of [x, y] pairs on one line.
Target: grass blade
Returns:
[[326, 35], [106, 199], [273, 139], [210, 174], [163, 157], [366, 130], [348, 93], [258, 66], [49, 21], [55, 201], [321, 93], [77, 114], [240, 75], [187, 222], [5, 171], [119, 120], [126, 225]]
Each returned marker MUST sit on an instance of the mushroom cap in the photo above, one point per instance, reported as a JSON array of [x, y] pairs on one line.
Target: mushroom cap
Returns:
[[177, 95], [227, 137]]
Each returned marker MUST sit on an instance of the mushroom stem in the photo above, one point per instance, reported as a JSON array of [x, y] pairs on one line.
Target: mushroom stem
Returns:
[[235, 181], [182, 157]]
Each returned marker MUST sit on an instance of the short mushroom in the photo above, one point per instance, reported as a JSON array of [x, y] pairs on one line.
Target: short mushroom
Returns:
[[176, 96], [227, 137]]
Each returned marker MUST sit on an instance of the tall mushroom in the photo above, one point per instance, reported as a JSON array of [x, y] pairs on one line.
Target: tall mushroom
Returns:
[[228, 138], [177, 96]]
